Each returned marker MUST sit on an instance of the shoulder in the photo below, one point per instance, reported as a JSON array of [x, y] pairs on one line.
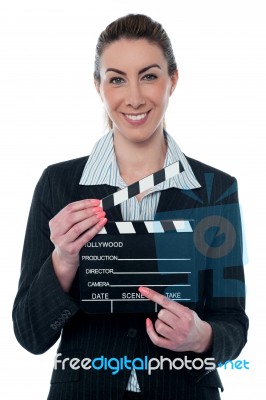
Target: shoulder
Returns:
[[64, 174], [66, 171], [200, 170], [69, 166], [59, 183], [216, 185]]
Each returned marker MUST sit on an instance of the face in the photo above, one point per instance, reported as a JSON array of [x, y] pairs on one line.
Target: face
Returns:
[[135, 87]]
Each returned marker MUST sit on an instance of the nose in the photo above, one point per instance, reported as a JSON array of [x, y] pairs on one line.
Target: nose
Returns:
[[135, 97]]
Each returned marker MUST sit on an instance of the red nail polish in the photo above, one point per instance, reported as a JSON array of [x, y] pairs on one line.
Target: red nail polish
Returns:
[[148, 322], [143, 290], [100, 214], [97, 209]]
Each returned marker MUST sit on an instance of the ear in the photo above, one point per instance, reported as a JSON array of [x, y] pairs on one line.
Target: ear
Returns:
[[174, 79], [97, 87]]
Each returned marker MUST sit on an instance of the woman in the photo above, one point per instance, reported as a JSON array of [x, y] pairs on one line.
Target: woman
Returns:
[[135, 75]]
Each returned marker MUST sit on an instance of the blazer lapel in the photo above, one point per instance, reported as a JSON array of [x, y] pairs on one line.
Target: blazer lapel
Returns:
[[174, 199], [169, 200]]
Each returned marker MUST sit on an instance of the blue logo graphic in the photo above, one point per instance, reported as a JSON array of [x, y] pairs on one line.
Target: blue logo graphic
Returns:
[[216, 243]]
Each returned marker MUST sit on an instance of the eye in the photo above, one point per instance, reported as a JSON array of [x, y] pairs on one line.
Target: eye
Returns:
[[149, 77], [116, 81]]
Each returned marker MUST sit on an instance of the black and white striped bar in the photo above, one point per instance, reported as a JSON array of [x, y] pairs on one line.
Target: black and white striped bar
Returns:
[[142, 185], [141, 227]]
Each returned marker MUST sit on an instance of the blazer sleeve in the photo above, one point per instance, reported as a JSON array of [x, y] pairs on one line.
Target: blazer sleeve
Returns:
[[223, 279], [225, 284], [225, 305], [41, 308]]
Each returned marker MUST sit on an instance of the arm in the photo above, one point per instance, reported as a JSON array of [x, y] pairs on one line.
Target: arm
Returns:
[[224, 308], [43, 305], [220, 327]]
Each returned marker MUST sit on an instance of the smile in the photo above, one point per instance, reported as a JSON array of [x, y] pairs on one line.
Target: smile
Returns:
[[135, 117]]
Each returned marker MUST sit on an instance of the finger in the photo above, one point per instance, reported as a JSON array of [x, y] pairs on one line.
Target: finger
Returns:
[[169, 318], [83, 226], [155, 338], [80, 205], [77, 206], [163, 329], [70, 215], [177, 308], [79, 220], [89, 234]]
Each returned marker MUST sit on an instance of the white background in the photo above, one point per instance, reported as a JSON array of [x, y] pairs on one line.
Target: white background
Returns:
[[50, 112]]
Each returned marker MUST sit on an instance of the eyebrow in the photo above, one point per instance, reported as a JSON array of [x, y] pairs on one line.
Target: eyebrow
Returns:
[[140, 72]]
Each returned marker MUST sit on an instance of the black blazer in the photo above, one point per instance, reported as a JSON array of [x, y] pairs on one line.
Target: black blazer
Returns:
[[43, 313]]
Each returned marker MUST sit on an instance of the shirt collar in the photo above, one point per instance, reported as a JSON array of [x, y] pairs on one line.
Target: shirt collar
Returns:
[[101, 167]]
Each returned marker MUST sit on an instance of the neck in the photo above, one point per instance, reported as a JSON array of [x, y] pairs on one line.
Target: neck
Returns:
[[138, 159]]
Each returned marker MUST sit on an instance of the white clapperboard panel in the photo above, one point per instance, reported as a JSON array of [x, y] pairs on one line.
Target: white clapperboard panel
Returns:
[[129, 254]]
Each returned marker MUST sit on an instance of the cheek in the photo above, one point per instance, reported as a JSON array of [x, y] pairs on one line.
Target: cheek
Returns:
[[161, 94], [111, 99]]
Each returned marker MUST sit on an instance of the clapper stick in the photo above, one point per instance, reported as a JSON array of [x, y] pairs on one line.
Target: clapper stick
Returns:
[[141, 227], [140, 186]]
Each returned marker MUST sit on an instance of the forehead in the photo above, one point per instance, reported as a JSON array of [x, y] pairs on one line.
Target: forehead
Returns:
[[126, 53]]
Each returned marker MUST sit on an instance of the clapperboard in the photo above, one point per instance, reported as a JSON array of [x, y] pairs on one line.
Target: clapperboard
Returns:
[[129, 254]]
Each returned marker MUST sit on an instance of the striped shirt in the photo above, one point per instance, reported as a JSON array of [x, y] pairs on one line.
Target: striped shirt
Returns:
[[102, 168]]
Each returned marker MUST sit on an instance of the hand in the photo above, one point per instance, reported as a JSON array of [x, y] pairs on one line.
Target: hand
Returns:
[[177, 328], [71, 229]]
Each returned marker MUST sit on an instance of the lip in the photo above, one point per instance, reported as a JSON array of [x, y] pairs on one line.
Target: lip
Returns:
[[137, 118]]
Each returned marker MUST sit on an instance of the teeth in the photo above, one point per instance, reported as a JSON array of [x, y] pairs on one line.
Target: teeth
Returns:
[[136, 117]]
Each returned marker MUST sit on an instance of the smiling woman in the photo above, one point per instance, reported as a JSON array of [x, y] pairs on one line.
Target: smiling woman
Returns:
[[135, 94], [135, 75]]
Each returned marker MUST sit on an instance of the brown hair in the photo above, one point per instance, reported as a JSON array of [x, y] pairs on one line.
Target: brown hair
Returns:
[[134, 26]]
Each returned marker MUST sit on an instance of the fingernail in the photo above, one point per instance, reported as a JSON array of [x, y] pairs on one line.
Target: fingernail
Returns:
[[144, 290], [100, 214], [148, 322], [97, 209], [103, 221]]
